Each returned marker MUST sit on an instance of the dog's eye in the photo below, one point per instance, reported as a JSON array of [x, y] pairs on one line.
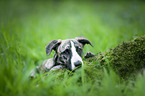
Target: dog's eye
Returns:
[[66, 51], [78, 49]]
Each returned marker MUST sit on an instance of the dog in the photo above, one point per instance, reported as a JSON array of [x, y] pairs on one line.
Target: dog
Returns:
[[68, 54]]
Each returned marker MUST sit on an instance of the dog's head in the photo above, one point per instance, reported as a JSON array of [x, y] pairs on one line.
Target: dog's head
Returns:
[[68, 52]]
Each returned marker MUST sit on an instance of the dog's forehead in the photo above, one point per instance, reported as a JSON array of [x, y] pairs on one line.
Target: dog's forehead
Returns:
[[66, 44]]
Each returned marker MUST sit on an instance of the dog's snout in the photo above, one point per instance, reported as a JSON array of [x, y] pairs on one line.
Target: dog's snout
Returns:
[[78, 63]]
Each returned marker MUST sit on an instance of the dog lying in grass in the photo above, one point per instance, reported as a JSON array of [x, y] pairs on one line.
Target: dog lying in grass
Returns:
[[68, 54]]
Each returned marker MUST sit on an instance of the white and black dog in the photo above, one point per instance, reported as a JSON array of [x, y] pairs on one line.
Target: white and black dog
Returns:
[[68, 54]]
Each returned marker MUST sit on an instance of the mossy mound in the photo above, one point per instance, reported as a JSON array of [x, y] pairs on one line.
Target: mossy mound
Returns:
[[125, 59]]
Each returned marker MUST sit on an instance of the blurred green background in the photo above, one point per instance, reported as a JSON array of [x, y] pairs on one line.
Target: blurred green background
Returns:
[[26, 27], [105, 24]]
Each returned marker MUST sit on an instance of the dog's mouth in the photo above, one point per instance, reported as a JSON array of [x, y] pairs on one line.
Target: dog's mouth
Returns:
[[79, 66]]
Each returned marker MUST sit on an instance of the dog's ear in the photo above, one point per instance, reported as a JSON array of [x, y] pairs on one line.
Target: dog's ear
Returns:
[[52, 46], [83, 40]]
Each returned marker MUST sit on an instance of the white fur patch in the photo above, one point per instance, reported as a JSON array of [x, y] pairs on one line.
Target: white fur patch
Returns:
[[75, 56], [49, 63], [56, 67]]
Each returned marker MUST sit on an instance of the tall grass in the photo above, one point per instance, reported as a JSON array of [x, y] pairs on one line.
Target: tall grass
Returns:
[[27, 27]]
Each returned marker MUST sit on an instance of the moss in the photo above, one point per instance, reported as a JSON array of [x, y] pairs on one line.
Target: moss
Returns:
[[125, 59], [93, 71]]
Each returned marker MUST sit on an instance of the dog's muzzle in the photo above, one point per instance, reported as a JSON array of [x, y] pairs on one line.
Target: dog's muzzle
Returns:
[[76, 60]]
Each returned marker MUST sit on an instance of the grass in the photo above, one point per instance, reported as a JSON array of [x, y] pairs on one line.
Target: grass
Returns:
[[26, 27]]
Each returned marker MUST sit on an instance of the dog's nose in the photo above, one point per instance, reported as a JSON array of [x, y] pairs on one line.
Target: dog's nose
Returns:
[[78, 63]]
